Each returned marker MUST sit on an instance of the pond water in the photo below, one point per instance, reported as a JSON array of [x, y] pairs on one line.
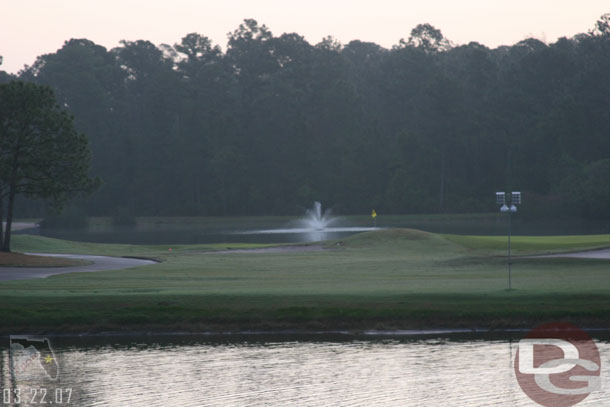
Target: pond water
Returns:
[[322, 370], [285, 230]]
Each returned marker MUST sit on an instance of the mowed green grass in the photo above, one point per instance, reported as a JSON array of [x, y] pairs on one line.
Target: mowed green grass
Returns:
[[391, 279], [521, 245]]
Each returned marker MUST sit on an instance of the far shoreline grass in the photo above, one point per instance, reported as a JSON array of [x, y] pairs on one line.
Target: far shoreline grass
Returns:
[[396, 279]]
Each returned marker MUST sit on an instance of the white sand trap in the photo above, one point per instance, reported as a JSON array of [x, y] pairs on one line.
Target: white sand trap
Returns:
[[589, 254]]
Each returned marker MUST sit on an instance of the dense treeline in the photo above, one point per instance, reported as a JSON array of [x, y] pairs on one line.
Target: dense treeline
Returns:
[[274, 123]]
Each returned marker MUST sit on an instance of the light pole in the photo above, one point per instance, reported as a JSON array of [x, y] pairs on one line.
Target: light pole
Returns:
[[515, 199]]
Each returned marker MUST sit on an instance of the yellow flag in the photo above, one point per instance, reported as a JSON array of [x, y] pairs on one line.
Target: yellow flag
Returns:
[[373, 214]]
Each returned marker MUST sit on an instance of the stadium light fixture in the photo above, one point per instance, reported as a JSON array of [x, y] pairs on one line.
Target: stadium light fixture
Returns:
[[509, 208]]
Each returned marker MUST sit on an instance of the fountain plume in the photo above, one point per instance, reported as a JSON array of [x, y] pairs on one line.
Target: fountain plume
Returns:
[[316, 219]]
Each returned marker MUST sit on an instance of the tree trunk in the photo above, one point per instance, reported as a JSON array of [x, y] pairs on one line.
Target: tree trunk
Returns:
[[442, 186], [1, 219], [223, 192], [6, 246], [509, 169]]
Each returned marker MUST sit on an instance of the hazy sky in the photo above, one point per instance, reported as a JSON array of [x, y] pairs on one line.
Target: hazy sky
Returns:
[[34, 27]]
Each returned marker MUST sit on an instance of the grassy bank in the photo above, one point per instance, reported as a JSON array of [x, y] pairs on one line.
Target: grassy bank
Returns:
[[393, 279]]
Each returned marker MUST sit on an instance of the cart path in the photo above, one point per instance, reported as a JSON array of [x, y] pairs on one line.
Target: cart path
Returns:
[[273, 249], [589, 254], [98, 263], [15, 226]]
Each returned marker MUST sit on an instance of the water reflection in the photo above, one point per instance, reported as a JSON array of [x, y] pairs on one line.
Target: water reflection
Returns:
[[429, 372]]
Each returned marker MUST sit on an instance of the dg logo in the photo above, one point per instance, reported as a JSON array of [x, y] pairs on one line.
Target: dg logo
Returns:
[[558, 365]]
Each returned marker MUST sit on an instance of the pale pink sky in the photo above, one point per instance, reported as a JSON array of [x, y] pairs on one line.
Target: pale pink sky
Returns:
[[34, 27]]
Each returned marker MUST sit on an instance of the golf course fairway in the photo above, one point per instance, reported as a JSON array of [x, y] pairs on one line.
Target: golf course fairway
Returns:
[[389, 279]]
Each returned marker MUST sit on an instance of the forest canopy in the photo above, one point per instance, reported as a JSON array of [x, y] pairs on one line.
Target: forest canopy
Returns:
[[273, 123]]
